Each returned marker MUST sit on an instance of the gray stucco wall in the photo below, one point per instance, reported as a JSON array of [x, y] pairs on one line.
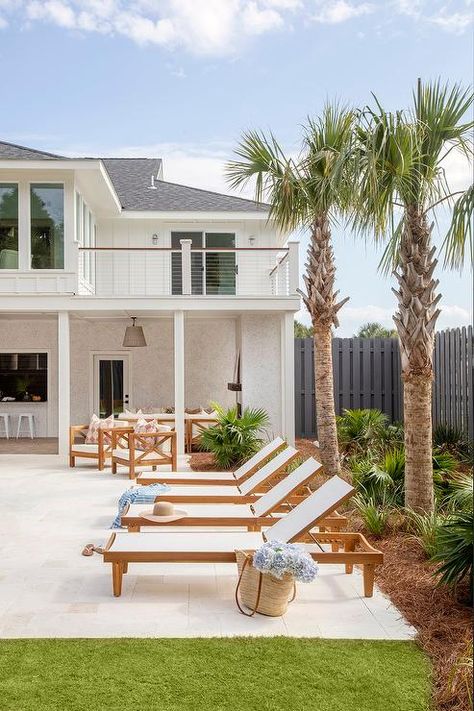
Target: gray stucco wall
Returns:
[[261, 365], [38, 334]]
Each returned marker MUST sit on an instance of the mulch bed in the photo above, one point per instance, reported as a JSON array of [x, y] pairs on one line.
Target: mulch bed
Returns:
[[443, 623]]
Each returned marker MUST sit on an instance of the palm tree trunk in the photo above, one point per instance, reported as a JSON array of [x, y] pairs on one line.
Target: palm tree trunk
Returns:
[[415, 319], [320, 300], [325, 411]]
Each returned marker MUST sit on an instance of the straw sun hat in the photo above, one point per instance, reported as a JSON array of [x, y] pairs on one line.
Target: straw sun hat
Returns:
[[163, 512]]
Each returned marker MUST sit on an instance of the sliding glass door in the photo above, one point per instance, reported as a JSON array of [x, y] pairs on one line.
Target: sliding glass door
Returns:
[[211, 272]]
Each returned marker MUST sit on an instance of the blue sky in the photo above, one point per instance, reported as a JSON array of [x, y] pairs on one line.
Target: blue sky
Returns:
[[182, 79]]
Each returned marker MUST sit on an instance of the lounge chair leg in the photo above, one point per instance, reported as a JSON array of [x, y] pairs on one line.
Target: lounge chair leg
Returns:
[[131, 470], [125, 568], [349, 546], [117, 572], [72, 461], [369, 576], [114, 467]]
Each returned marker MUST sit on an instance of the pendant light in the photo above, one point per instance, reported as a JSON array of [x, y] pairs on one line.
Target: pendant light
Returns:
[[134, 336]]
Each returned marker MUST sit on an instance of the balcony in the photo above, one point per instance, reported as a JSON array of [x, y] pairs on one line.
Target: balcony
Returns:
[[162, 271]]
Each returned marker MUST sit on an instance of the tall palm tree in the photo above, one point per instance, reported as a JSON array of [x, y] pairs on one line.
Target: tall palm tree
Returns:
[[309, 192], [400, 178]]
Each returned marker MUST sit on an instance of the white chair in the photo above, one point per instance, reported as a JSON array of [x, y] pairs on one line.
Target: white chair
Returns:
[[30, 422], [6, 423]]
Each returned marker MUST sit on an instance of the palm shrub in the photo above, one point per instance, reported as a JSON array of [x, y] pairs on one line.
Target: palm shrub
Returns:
[[234, 439], [453, 440], [373, 513], [459, 494], [425, 528], [361, 430], [455, 550]]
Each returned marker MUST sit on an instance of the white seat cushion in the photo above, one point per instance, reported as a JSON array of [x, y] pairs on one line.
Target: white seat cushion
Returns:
[[85, 448], [186, 542], [177, 477], [125, 454]]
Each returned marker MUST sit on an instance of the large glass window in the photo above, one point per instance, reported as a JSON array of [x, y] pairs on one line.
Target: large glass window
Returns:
[[8, 226], [47, 226]]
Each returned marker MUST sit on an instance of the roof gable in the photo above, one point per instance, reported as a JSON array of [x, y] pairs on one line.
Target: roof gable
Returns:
[[137, 192]]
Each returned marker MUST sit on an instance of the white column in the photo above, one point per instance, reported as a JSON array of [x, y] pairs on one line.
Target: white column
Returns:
[[288, 377], [64, 383], [179, 378], [186, 265], [293, 265]]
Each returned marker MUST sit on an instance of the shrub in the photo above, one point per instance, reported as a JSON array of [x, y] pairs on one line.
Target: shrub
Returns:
[[361, 430], [382, 481], [455, 550], [452, 440], [425, 528], [374, 516], [459, 494], [234, 439]]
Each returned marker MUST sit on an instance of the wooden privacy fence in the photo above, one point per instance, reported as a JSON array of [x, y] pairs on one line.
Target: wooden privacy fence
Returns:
[[367, 375]]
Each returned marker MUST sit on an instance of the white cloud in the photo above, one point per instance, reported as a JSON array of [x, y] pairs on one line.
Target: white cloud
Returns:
[[256, 20], [458, 170], [3, 23], [456, 22], [53, 10], [332, 13]]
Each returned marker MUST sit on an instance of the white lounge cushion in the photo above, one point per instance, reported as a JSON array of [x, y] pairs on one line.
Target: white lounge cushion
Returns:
[[207, 490], [202, 510], [184, 541], [176, 477]]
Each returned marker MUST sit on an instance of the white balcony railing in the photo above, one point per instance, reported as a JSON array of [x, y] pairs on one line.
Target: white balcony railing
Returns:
[[159, 271]]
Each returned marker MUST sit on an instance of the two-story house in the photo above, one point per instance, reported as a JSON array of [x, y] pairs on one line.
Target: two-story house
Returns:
[[87, 244]]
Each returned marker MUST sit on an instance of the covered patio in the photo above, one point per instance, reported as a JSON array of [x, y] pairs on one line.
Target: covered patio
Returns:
[[190, 358]]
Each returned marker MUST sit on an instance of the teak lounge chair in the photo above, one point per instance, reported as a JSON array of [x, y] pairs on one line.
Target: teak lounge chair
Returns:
[[220, 546], [149, 449], [213, 478], [225, 494], [252, 516]]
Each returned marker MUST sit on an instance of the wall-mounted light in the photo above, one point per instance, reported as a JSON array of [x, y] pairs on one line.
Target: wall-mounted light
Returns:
[[154, 239], [251, 240]]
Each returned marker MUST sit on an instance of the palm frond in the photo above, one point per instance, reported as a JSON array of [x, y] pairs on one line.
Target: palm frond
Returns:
[[459, 238]]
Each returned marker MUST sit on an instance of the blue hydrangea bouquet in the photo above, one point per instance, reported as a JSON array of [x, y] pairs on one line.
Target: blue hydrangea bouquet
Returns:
[[280, 559]]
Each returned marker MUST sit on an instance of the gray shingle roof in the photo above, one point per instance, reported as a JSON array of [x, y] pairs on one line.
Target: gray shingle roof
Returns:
[[11, 151], [131, 178]]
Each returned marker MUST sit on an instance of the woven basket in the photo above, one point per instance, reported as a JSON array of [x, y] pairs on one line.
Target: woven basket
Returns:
[[261, 592]]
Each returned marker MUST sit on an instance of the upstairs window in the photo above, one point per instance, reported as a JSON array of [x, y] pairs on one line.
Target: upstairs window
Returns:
[[8, 226], [47, 226]]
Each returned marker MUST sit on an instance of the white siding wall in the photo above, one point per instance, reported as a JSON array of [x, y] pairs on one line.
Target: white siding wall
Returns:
[[147, 273]]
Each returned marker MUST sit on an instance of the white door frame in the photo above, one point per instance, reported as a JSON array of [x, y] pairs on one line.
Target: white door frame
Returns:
[[95, 357]]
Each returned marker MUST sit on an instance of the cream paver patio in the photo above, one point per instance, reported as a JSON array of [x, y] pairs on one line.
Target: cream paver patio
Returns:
[[48, 589]]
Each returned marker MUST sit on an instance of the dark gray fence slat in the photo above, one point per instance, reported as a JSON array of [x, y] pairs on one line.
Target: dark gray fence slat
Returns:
[[367, 373]]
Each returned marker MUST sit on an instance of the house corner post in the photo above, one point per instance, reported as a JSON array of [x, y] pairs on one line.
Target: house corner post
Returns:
[[293, 266], [64, 383], [288, 377], [179, 379]]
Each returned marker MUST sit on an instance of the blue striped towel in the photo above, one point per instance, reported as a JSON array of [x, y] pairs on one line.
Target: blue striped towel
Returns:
[[138, 495]]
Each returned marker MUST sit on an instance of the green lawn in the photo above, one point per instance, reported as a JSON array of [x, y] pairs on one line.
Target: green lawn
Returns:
[[265, 674]]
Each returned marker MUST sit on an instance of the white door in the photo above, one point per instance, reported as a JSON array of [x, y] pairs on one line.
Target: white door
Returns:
[[111, 384]]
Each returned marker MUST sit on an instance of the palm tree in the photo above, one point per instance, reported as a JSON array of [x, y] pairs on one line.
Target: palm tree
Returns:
[[372, 329], [398, 161], [308, 192]]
